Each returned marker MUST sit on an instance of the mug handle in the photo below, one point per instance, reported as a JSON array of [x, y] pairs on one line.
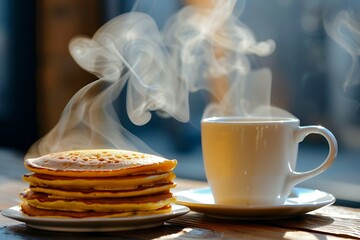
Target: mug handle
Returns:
[[300, 134]]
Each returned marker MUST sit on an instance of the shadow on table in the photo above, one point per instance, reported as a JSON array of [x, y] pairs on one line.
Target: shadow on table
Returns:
[[168, 231], [199, 226]]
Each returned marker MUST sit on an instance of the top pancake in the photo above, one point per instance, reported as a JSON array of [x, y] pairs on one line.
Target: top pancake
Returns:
[[99, 163]]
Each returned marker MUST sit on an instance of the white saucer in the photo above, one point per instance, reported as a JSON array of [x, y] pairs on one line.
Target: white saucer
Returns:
[[94, 224], [300, 201]]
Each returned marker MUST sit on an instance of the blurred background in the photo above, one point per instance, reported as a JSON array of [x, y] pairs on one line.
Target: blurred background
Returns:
[[38, 77]]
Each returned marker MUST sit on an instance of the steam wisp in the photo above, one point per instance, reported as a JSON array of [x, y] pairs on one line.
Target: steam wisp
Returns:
[[158, 70], [345, 30]]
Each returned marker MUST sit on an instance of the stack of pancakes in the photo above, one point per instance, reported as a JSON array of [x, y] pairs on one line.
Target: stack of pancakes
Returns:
[[98, 183]]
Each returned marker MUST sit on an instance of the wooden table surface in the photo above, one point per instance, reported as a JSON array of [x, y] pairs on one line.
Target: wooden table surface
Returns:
[[332, 222]]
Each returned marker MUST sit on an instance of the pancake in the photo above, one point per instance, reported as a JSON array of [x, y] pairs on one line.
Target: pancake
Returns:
[[109, 183], [38, 212], [99, 163], [98, 183], [75, 193], [139, 203]]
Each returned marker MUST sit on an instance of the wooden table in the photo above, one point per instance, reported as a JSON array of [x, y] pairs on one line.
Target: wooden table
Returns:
[[332, 222]]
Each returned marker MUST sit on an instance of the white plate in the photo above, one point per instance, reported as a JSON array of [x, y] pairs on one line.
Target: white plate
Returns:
[[94, 224], [300, 201]]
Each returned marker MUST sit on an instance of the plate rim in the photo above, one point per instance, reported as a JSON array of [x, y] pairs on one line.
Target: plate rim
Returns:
[[87, 224], [252, 211]]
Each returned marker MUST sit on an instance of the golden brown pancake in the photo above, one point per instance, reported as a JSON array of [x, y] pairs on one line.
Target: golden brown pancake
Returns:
[[139, 203], [99, 163], [38, 212], [76, 193], [98, 183]]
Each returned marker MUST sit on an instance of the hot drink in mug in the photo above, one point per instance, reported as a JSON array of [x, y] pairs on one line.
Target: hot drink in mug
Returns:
[[251, 161]]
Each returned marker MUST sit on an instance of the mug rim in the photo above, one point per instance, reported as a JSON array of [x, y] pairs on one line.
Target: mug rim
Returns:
[[250, 119]]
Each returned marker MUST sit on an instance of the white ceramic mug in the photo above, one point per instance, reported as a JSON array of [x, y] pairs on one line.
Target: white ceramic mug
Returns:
[[251, 161]]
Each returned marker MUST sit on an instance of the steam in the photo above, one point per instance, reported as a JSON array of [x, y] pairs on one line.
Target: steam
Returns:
[[211, 43], [158, 70], [345, 30]]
